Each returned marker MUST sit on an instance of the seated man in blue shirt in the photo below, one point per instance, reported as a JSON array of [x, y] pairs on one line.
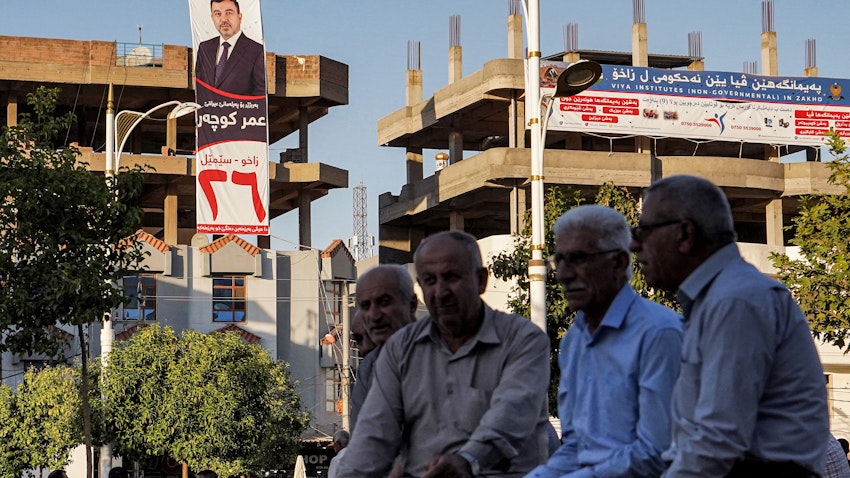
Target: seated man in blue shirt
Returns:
[[750, 398], [619, 359]]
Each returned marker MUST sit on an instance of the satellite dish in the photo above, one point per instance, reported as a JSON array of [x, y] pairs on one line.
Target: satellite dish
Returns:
[[139, 56], [200, 240]]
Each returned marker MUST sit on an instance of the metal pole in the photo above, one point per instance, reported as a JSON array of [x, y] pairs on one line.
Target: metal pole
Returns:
[[106, 332], [536, 266], [345, 340]]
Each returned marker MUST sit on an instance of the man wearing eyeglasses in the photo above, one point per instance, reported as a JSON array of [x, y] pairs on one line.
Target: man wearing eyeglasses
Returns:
[[750, 397], [619, 359]]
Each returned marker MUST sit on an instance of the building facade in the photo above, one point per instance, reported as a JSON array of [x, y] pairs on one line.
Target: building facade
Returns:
[[285, 301], [484, 187]]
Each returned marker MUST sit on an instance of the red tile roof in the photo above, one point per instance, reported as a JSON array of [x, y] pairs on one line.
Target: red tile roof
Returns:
[[143, 236], [246, 336], [216, 245], [336, 246], [129, 332]]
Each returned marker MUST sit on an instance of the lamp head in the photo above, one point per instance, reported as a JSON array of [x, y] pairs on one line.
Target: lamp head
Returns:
[[183, 109], [577, 77]]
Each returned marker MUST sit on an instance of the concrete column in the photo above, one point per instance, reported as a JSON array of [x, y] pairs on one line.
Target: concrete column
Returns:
[[518, 208], [456, 220], [773, 224], [640, 47], [455, 146], [572, 57], [414, 165], [516, 122], [455, 63], [414, 87], [396, 244], [773, 213], [304, 198], [811, 153], [697, 66], [11, 110], [640, 57], [169, 225], [769, 55], [515, 45], [303, 132], [171, 134], [304, 218]]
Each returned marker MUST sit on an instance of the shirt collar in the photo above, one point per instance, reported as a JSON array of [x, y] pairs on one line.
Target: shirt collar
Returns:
[[232, 40], [486, 333], [702, 276], [616, 313]]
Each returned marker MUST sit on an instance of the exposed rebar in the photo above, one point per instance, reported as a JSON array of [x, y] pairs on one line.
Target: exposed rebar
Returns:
[[811, 53], [766, 16], [695, 45], [638, 11], [454, 30], [513, 7], [414, 54], [570, 37]]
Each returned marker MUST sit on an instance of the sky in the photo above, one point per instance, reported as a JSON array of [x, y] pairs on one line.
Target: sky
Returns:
[[371, 36]]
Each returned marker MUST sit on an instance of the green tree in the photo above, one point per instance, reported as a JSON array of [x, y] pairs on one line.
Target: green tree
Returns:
[[60, 230], [12, 462], [49, 416], [820, 278], [211, 401], [513, 266]]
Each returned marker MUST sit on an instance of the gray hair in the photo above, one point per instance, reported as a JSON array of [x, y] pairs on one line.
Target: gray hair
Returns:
[[608, 226], [468, 241], [701, 202], [402, 276], [342, 437]]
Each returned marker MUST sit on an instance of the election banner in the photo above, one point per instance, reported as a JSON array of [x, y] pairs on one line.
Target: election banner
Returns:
[[706, 105], [231, 161]]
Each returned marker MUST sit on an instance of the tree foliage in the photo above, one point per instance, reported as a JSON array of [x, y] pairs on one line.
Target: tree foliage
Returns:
[[59, 228], [40, 422], [212, 401], [61, 233], [513, 266], [820, 277]]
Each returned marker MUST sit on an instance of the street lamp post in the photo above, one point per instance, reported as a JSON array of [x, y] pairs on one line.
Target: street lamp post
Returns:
[[574, 79], [118, 127]]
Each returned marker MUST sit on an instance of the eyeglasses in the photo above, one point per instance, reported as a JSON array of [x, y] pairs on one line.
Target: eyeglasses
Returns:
[[640, 231], [576, 258]]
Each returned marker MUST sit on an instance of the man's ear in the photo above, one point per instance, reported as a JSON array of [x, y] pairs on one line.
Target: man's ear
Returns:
[[482, 280], [686, 236], [622, 261], [414, 303]]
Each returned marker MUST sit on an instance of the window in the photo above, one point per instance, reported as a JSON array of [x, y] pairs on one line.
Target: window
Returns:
[[141, 290], [333, 391], [228, 298]]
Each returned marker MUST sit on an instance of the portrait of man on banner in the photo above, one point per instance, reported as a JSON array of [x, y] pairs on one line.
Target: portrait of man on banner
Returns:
[[230, 61], [232, 135]]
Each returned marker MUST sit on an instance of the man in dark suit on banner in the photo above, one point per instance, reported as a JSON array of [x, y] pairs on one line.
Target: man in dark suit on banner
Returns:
[[231, 62]]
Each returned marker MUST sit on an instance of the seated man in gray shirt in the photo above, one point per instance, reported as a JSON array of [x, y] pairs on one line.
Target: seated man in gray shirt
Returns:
[[385, 303], [461, 392]]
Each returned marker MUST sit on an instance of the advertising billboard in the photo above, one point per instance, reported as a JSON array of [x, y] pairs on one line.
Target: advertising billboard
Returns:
[[232, 135], [705, 105]]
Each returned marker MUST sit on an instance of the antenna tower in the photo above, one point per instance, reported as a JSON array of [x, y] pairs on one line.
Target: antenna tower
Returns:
[[361, 243]]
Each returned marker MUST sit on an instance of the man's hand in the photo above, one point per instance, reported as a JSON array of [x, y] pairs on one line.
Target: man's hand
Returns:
[[450, 465]]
